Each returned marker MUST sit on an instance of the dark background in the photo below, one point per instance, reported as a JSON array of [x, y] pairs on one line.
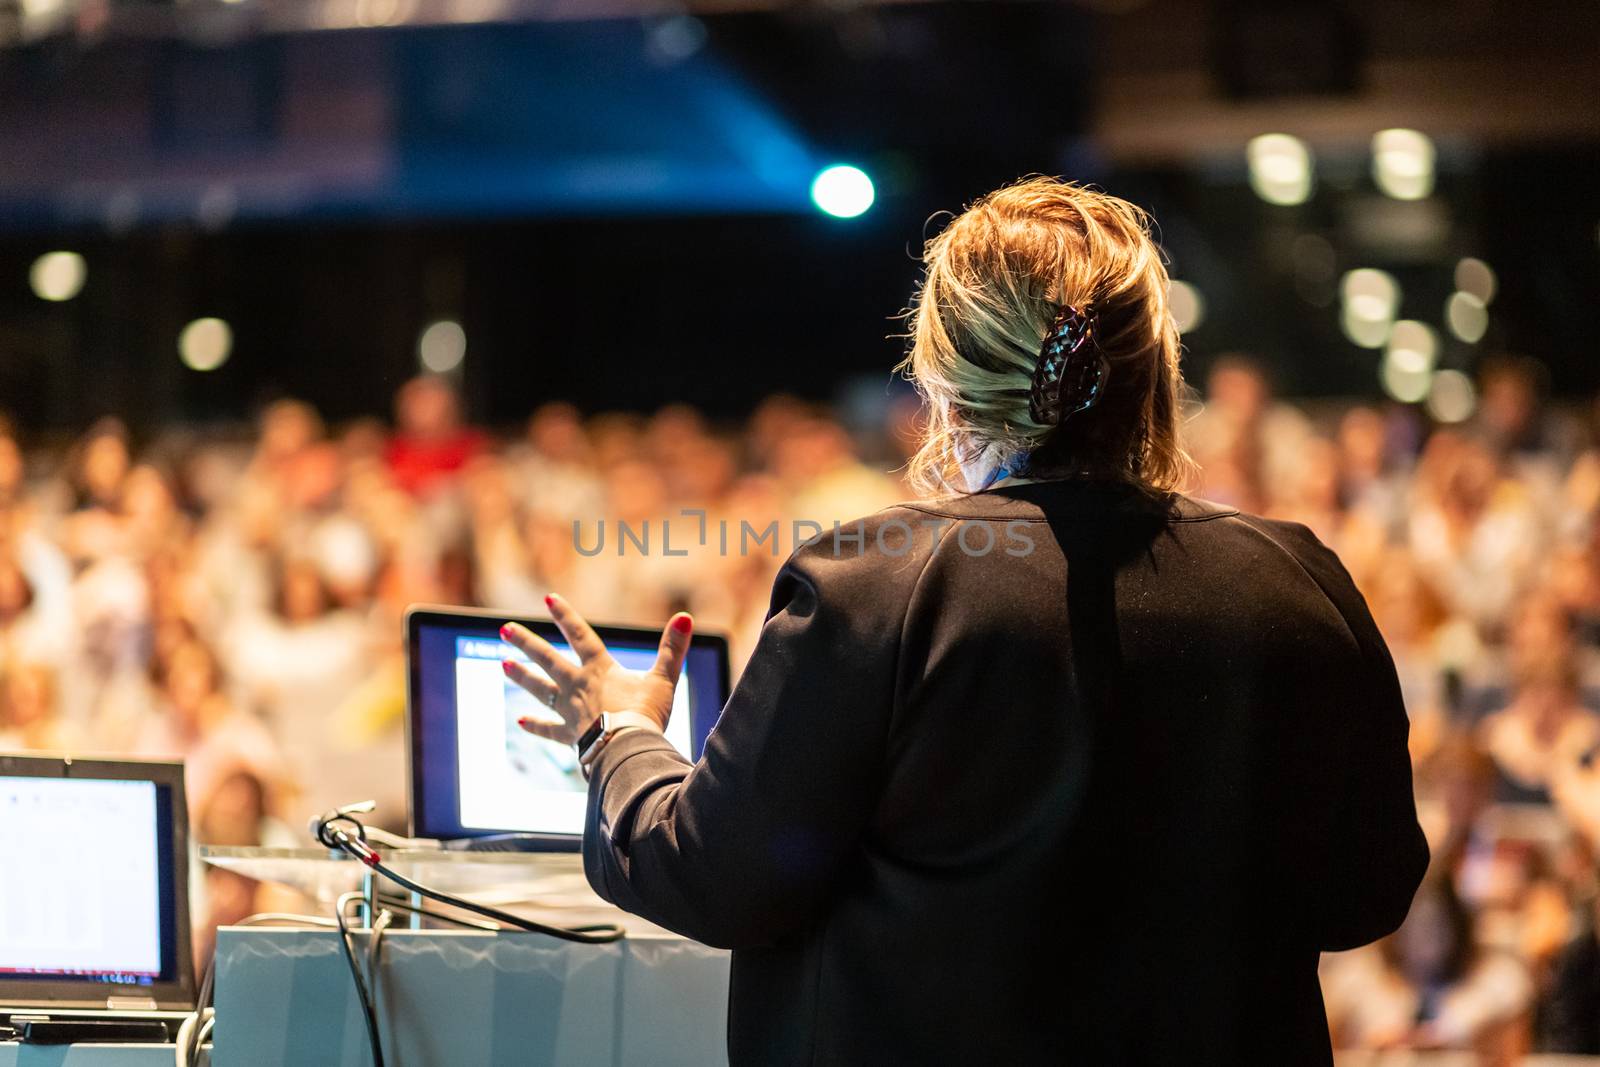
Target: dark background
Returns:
[[378, 179]]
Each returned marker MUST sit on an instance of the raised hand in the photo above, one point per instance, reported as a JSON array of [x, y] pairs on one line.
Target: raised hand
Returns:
[[578, 693]]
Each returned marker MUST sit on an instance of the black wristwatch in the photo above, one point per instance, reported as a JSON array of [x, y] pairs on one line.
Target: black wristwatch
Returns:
[[592, 740]]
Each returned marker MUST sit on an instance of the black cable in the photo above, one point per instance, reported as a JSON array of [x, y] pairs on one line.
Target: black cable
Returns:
[[441, 916], [368, 1009], [202, 1000], [594, 934], [208, 982], [375, 946], [331, 835]]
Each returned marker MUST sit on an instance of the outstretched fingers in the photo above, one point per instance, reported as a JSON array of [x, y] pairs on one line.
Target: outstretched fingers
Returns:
[[579, 634], [543, 689], [674, 646], [559, 732], [560, 669], [545, 692]]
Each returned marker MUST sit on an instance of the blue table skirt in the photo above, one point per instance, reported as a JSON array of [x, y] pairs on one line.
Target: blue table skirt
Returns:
[[452, 999]]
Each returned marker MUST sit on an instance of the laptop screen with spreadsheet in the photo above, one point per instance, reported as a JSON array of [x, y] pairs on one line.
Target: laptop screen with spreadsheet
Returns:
[[94, 896]]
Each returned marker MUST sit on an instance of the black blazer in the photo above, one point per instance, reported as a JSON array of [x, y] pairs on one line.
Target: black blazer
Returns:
[[1097, 795]]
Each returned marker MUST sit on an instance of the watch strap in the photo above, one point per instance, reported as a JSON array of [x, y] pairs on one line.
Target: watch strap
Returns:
[[592, 740]]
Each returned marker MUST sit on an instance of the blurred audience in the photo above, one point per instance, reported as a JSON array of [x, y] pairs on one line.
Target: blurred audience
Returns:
[[235, 600], [1432, 985]]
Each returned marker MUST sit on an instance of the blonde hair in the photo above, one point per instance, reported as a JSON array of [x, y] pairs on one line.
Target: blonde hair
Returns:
[[992, 281]]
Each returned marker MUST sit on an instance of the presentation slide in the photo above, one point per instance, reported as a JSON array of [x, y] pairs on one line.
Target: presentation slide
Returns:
[[80, 889], [509, 779]]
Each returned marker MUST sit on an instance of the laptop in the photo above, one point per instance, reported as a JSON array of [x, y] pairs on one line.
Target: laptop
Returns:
[[479, 781], [94, 891]]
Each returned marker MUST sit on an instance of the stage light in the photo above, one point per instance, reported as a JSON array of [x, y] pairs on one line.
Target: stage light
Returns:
[[205, 344], [442, 346], [843, 191], [58, 276], [1452, 397], [1188, 307], [1402, 163], [1280, 168], [1466, 316], [1477, 277]]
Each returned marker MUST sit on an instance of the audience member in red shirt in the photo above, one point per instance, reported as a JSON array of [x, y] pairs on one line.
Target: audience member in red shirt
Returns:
[[429, 442]]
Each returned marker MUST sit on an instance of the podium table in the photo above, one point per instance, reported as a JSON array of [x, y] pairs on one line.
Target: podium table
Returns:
[[450, 998], [447, 998]]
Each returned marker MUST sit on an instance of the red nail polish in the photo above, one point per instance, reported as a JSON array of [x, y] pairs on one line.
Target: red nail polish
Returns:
[[505, 631], [550, 602], [683, 624], [505, 665]]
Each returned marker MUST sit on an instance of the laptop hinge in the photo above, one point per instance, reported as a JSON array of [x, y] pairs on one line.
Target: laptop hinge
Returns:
[[130, 1004]]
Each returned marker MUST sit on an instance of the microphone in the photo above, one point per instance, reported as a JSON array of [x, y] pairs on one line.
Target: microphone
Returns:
[[322, 829]]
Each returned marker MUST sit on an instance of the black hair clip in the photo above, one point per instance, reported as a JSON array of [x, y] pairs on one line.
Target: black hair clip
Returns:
[[1072, 371]]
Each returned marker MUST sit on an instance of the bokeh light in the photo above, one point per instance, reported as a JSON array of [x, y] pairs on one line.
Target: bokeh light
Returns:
[[1408, 387], [1413, 346], [1402, 163], [442, 346], [205, 344], [58, 276], [1407, 369], [675, 38], [1280, 168], [1372, 295], [1187, 305], [1452, 397], [1368, 333], [1477, 277], [1466, 317], [1370, 300]]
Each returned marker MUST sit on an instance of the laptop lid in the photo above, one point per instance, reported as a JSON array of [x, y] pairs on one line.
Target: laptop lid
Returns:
[[474, 771], [94, 886]]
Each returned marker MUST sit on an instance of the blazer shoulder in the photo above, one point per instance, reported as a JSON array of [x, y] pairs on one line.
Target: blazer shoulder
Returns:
[[1321, 566], [1294, 538], [862, 574], [876, 548]]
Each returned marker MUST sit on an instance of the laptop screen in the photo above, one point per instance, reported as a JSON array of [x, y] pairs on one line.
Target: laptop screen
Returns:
[[474, 771], [91, 902]]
